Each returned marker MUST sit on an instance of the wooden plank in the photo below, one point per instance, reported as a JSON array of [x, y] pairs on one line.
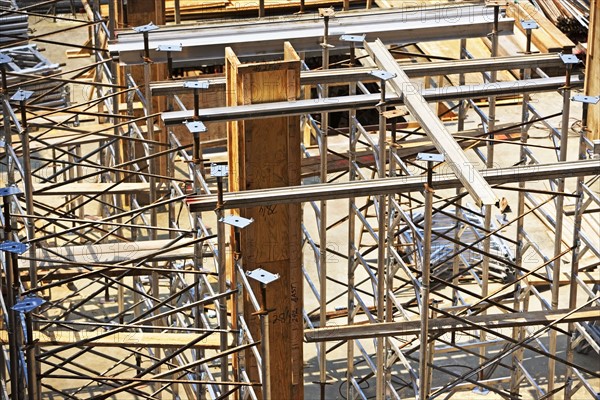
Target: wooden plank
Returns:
[[68, 272], [550, 27], [589, 225], [69, 139], [90, 189], [112, 253], [138, 13], [472, 180], [57, 119], [441, 325], [449, 48], [548, 38], [266, 154], [562, 282], [508, 45], [120, 339], [405, 149], [83, 128]]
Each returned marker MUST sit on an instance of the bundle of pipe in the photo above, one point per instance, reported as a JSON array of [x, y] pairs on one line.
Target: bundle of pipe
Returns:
[[29, 63], [13, 26], [56, 7]]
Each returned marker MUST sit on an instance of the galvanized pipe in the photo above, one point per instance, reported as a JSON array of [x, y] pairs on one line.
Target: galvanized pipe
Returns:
[[424, 375], [381, 253], [564, 140], [518, 304], [577, 220], [322, 218], [485, 267], [352, 176], [12, 288], [222, 273], [177, 12]]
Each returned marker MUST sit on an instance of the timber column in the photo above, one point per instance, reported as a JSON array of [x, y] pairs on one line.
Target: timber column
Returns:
[[265, 153], [139, 13], [592, 83]]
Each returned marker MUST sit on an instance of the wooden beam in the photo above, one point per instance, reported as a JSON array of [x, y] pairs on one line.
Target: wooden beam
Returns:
[[441, 325], [405, 149], [138, 13], [472, 180]]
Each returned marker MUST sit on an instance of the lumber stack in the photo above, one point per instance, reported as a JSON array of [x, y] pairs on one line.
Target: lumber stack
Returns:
[[571, 9], [547, 38], [194, 10], [570, 16]]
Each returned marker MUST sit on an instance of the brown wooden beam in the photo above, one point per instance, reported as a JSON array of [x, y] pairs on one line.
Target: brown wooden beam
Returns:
[[120, 339]]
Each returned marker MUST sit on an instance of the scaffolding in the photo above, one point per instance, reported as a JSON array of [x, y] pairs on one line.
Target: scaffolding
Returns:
[[132, 248]]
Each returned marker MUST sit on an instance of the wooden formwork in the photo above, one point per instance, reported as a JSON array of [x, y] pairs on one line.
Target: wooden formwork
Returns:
[[265, 154]]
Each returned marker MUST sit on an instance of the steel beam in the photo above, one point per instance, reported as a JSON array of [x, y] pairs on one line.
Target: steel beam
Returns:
[[363, 74], [402, 184], [206, 43], [344, 103]]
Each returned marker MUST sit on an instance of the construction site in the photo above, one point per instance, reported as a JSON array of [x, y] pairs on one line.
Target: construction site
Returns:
[[300, 199]]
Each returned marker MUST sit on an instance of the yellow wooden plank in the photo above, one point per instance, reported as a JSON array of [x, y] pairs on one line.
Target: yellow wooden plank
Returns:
[[547, 38], [112, 253], [120, 339], [89, 189], [440, 325]]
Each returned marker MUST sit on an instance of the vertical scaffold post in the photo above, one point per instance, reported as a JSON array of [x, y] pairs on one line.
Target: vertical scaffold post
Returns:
[[424, 354]]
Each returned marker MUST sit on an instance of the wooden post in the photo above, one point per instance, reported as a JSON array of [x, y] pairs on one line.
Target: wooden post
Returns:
[[592, 84], [138, 13], [265, 153]]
